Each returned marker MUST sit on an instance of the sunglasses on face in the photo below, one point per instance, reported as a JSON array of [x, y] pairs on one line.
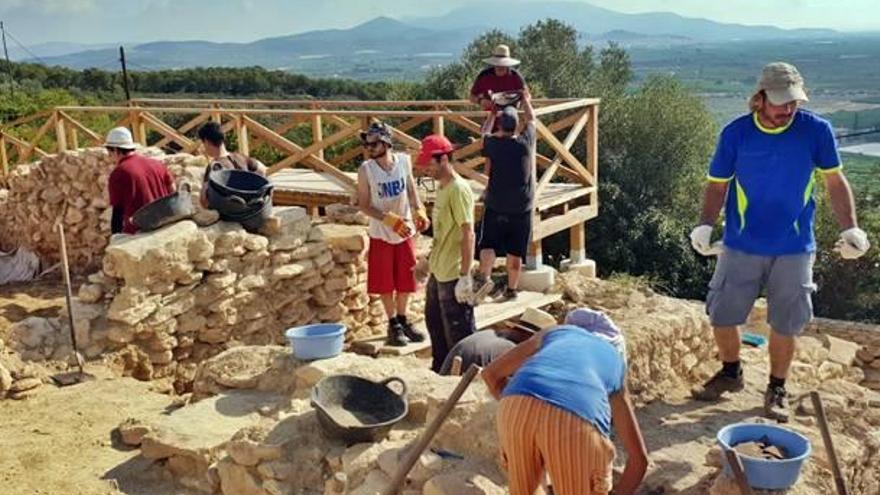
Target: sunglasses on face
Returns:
[[371, 144]]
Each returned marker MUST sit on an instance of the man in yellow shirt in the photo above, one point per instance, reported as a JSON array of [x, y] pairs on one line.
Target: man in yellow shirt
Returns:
[[449, 313]]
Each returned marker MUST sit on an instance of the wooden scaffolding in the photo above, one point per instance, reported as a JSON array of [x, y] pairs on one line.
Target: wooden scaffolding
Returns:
[[314, 146]]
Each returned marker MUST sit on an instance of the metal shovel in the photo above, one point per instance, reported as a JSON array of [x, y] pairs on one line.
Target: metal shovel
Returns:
[[70, 377]]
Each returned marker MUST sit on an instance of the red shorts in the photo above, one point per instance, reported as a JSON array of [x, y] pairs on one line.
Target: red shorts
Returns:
[[391, 267]]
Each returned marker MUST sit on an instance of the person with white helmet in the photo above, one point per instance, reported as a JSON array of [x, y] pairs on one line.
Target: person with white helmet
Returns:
[[560, 393], [764, 169], [135, 181]]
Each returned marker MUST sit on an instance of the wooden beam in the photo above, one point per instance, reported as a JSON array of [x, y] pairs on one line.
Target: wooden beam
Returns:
[[557, 199], [468, 149], [26, 119], [559, 223], [4, 158], [318, 135], [564, 153], [24, 146], [330, 103], [438, 126], [60, 133], [166, 130], [592, 138], [72, 138], [286, 145], [191, 124], [466, 124], [315, 147], [32, 146], [569, 105], [550, 172], [94, 136], [287, 126], [577, 242], [411, 123], [241, 131], [346, 156], [564, 123]]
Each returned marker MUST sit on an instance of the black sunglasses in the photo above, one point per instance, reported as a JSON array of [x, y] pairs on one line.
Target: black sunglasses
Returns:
[[368, 144]]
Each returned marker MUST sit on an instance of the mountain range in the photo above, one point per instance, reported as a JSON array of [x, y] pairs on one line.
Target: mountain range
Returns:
[[386, 47]]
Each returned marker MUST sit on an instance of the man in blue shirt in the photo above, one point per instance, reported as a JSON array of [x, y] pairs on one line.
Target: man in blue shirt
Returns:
[[765, 166]]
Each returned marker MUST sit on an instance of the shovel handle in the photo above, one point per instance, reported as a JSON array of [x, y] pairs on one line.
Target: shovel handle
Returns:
[[65, 270], [416, 451], [738, 474], [839, 482]]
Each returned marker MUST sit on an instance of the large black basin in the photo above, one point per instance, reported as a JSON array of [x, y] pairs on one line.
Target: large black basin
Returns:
[[357, 410]]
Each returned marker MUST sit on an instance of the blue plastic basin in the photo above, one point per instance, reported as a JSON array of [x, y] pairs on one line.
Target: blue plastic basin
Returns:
[[767, 474], [322, 340]]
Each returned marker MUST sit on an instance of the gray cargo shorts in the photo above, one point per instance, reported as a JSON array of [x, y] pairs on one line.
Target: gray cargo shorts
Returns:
[[739, 278]]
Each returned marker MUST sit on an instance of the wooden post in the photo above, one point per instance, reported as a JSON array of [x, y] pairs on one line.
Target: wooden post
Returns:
[[534, 258], [241, 131], [593, 150], [439, 127], [317, 132], [72, 138], [60, 133], [142, 130], [215, 114], [366, 125], [4, 159], [577, 243]]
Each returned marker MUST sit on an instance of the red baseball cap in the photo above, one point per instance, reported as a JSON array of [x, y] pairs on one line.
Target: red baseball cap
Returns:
[[433, 145]]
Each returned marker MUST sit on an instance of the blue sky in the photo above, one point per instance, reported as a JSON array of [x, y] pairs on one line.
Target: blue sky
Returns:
[[111, 21]]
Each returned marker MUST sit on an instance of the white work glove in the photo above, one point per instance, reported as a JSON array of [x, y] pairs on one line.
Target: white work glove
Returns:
[[701, 240], [464, 289], [853, 243]]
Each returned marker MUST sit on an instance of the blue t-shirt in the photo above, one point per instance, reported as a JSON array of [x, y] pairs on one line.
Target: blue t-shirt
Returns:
[[574, 370], [770, 205]]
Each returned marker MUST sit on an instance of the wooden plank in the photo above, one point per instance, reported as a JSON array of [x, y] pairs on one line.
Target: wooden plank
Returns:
[[287, 126], [592, 138], [564, 123], [26, 119], [32, 146], [469, 149], [23, 145], [94, 136], [564, 152], [331, 103], [192, 123], [286, 145], [315, 147], [466, 123], [318, 135], [552, 225], [60, 133], [550, 172], [486, 315], [552, 198], [569, 105], [346, 156], [4, 158], [166, 130]]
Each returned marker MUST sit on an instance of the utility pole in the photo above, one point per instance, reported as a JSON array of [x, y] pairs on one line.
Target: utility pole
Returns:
[[8, 64], [124, 73]]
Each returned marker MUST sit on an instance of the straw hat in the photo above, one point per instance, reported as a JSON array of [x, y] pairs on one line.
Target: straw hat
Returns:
[[501, 57], [534, 320]]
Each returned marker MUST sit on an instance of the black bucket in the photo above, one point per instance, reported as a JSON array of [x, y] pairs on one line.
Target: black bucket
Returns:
[[242, 183], [164, 211], [358, 410]]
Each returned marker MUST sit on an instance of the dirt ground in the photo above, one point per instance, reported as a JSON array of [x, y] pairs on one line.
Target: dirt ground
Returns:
[[61, 441]]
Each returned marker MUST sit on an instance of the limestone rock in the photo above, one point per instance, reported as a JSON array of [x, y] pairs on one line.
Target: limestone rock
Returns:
[[132, 305], [5, 379], [25, 384], [347, 237], [91, 293], [205, 217], [249, 453], [268, 368], [461, 483], [841, 351], [237, 480], [132, 431]]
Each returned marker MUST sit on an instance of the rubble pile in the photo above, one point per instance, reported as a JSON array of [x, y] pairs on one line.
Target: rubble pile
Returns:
[[167, 300], [268, 440], [853, 343], [71, 187], [18, 379]]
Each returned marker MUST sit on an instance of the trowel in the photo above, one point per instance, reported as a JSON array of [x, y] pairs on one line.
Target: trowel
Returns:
[[78, 376]]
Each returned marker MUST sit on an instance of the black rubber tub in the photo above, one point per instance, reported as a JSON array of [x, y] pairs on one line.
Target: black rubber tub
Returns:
[[164, 211], [242, 183], [240, 196], [357, 410]]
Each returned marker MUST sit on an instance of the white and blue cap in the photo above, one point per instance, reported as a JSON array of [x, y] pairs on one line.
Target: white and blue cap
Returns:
[[600, 325]]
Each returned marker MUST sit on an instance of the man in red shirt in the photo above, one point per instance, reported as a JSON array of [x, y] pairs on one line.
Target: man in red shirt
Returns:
[[500, 77], [135, 182]]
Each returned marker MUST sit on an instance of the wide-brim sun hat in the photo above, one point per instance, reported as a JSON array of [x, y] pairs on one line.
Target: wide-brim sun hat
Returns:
[[534, 320], [120, 137], [782, 83], [501, 57]]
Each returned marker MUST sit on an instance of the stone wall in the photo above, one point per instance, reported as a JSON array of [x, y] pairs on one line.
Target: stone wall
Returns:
[[71, 187], [866, 352], [167, 300]]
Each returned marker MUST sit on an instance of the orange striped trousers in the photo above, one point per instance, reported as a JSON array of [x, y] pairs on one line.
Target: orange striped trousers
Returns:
[[536, 435]]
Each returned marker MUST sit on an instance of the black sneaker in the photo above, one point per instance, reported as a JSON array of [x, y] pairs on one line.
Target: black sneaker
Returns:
[[396, 337], [509, 294], [410, 331], [775, 404], [713, 389]]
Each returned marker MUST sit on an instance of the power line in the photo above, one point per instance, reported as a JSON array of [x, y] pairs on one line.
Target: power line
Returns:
[[20, 45], [875, 130]]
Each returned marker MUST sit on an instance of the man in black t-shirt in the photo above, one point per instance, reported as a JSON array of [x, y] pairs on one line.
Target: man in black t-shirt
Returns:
[[214, 145], [509, 198]]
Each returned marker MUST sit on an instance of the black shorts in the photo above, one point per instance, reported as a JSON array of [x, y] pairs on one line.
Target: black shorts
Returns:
[[506, 232]]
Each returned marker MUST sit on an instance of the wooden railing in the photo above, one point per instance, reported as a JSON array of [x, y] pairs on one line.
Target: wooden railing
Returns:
[[324, 136]]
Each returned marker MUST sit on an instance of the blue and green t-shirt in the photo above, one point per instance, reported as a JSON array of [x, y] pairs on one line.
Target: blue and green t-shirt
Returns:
[[770, 206]]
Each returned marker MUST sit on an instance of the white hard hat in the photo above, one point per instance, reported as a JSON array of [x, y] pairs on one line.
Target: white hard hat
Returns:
[[120, 137]]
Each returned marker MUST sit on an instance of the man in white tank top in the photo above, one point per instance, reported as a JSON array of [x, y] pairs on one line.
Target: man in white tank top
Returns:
[[387, 195]]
